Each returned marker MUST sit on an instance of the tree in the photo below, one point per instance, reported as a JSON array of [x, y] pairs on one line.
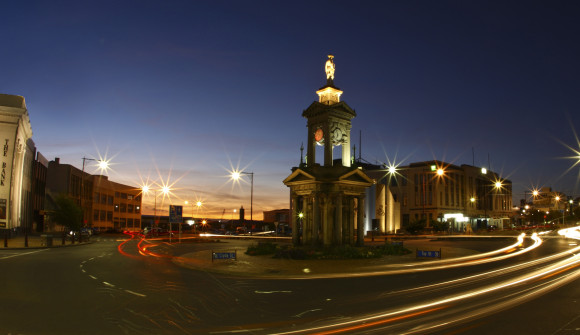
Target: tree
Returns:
[[68, 213], [416, 226], [439, 226]]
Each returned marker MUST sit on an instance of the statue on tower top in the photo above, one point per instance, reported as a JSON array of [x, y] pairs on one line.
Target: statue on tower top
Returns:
[[329, 68]]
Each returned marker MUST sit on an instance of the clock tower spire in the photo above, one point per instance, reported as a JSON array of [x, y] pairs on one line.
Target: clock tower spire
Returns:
[[329, 121]]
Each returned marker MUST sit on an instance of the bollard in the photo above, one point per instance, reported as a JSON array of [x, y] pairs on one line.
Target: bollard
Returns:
[[5, 239], [26, 239]]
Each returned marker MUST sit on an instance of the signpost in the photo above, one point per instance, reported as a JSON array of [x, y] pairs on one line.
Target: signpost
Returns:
[[429, 253], [175, 216], [224, 255]]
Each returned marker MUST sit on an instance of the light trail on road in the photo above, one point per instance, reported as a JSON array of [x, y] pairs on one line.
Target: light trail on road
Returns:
[[474, 303]]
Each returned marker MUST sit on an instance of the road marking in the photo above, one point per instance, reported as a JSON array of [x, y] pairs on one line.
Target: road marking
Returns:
[[108, 284], [93, 277], [238, 331], [305, 312], [22, 254], [270, 292], [135, 293]]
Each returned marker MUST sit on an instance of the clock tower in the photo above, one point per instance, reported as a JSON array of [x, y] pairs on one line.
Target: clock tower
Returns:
[[327, 201]]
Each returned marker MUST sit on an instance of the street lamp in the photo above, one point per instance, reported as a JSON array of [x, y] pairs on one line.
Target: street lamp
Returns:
[[165, 190], [236, 176], [103, 166]]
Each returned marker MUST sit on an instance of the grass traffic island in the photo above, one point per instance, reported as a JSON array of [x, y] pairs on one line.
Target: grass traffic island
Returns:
[[335, 252]]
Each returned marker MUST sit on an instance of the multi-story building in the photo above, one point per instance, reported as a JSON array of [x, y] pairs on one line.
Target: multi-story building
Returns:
[[106, 205], [281, 216], [16, 159], [114, 206], [466, 197], [547, 200]]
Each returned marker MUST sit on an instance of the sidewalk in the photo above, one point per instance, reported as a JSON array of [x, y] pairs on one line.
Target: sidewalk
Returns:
[[36, 241]]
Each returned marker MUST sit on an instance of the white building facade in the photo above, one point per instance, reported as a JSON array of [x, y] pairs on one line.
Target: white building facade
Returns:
[[15, 133]]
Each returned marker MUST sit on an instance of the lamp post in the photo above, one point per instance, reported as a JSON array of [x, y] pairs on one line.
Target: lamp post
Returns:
[[103, 165], [236, 175], [165, 190]]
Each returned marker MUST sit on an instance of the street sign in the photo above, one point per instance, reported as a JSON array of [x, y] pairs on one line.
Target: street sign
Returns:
[[224, 255], [175, 214], [429, 253]]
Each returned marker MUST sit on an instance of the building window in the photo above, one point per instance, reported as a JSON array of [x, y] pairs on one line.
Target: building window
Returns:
[[116, 208], [110, 200], [96, 198], [109, 216], [124, 196], [130, 196], [117, 195], [137, 209], [129, 208], [103, 199], [103, 215], [123, 208], [96, 215]]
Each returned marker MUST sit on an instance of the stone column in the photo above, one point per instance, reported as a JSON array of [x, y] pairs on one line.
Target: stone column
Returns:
[[315, 219], [351, 221], [326, 221], [294, 220], [311, 150], [338, 220], [346, 149], [307, 220], [360, 221], [327, 145]]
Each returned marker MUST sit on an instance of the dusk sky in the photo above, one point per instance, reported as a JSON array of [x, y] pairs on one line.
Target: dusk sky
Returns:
[[181, 92]]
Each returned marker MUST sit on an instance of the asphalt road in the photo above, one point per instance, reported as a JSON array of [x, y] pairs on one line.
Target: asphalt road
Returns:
[[111, 287]]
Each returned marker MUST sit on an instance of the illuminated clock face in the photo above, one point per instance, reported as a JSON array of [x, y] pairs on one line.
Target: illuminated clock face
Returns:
[[318, 135]]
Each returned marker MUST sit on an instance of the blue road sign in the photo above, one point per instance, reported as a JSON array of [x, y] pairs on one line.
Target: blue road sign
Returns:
[[429, 253], [175, 214], [224, 255]]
